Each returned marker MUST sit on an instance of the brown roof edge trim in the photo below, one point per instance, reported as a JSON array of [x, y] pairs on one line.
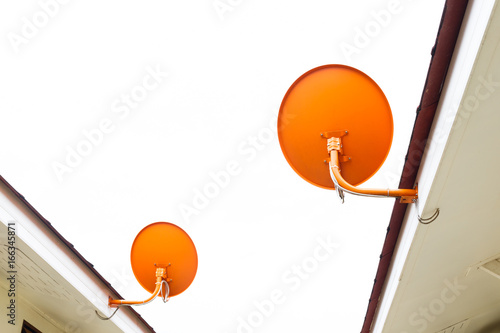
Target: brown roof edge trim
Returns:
[[72, 248], [451, 22]]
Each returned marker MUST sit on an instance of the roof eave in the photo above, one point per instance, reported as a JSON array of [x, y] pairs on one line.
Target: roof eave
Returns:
[[442, 52], [70, 246]]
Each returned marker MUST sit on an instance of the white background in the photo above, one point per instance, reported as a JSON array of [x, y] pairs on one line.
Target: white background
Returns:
[[225, 66]]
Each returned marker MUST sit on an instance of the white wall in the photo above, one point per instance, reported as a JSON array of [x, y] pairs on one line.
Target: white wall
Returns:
[[24, 311]]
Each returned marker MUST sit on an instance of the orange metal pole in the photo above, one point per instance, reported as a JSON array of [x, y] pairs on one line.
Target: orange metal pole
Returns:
[[406, 194], [160, 275]]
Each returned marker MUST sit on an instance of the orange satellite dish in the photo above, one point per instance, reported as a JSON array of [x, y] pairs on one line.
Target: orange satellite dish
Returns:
[[164, 261], [335, 97], [164, 244], [335, 129]]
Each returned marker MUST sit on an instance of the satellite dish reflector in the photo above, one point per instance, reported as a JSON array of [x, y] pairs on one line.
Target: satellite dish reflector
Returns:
[[164, 244], [164, 261], [335, 97], [337, 110]]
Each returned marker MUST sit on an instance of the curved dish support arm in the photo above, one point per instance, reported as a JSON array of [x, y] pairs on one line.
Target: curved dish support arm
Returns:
[[341, 185], [161, 276]]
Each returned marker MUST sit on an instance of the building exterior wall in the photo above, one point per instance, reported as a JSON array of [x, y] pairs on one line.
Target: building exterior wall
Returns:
[[24, 311]]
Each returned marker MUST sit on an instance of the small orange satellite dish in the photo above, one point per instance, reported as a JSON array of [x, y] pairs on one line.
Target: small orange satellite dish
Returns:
[[164, 244], [164, 261], [335, 129]]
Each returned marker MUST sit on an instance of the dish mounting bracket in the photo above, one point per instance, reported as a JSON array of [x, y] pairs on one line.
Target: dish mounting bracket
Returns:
[[336, 153]]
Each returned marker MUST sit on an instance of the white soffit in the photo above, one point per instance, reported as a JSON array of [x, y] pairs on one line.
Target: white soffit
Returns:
[[460, 327], [42, 241], [492, 267], [469, 43]]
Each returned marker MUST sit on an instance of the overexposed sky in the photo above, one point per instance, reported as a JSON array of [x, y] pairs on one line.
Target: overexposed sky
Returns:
[[118, 114]]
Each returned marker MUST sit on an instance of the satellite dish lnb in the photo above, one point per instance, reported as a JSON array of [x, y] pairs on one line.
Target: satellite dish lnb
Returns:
[[164, 261], [335, 130]]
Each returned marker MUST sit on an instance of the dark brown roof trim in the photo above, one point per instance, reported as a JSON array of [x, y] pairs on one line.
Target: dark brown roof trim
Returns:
[[451, 22], [72, 248]]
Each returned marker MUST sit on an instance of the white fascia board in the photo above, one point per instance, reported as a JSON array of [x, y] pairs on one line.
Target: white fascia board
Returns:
[[62, 259], [470, 39]]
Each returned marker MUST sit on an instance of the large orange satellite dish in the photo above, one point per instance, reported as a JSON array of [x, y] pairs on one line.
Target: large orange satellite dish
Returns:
[[164, 244], [328, 98], [335, 129]]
